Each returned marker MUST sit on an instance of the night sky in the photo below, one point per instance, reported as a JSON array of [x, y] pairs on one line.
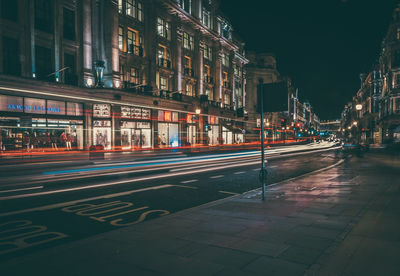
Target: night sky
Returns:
[[323, 45]]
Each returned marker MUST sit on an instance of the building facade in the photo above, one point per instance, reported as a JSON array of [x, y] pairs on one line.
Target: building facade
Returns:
[[119, 73], [373, 116]]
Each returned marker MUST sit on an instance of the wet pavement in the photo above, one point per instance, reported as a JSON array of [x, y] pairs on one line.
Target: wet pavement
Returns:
[[341, 220]]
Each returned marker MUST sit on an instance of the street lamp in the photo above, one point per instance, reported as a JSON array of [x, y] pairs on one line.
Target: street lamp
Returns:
[[198, 110], [355, 123], [359, 107]]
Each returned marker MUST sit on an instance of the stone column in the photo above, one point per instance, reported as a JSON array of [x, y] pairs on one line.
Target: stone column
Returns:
[[88, 126], [234, 99], [201, 68], [218, 87], [56, 32], [32, 37], [178, 63], [116, 126], [109, 42], [87, 62]]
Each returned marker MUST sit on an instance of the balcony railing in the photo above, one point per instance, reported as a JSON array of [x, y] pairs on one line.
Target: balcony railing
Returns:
[[135, 49], [188, 72], [166, 63]]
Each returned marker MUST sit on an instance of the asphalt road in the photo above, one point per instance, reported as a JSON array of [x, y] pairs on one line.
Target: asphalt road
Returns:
[[56, 205]]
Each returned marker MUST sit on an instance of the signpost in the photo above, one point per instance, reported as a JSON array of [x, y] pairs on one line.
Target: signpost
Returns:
[[263, 171]]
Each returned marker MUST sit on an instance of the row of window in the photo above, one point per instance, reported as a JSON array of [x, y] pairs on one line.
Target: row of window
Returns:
[[43, 16]]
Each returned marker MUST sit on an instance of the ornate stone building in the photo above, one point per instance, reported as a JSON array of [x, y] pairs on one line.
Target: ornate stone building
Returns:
[[121, 73]]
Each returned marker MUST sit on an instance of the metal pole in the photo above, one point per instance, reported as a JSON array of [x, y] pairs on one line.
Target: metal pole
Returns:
[[263, 172]]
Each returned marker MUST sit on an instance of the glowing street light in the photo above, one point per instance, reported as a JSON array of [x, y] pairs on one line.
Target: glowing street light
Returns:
[[358, 107], [198, 111]]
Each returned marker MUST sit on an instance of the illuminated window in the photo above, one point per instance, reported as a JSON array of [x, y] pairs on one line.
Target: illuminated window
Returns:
[[163, 28], [209, 94], [121, 38], [227, 99], [186, 5], [163, 56], [189, 89], [225, 81], [134, 8], [188, 41], [225, 59], [163, 83], [122, 73], [134, 76], [120, 6], [206, 18], [207, 54], [134, 42], [188, 66]]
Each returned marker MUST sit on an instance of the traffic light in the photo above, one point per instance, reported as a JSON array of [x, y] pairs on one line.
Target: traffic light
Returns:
[[206, 126]]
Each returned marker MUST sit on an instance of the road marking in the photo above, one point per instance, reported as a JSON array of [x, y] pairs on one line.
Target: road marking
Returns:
[[64, 204], [239, 172], [271, 167], [217, 176], [128, 181], [256, 169], [189, 181], [187, 187], [22, 189], [229, 193]]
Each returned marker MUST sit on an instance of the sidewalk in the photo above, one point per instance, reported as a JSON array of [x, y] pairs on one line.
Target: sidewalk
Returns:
[[341, 221]]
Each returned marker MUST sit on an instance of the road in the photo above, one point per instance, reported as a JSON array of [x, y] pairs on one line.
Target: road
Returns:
[[53, 205]]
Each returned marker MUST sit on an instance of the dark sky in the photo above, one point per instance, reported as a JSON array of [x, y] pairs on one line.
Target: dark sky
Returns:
[[322, 44]]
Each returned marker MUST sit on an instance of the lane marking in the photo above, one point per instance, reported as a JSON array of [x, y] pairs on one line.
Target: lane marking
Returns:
[[189, 181], [256, 169], [229, 193], [22, 189], [239, 172], [272, 167], [217, 176], [127, 181], [64, 204], [187, 187]]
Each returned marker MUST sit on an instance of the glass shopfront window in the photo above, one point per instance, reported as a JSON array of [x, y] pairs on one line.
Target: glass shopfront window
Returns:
[[168, 135], [102, 133], [135, 135], [213, 134], [226, 136], [27, 133]]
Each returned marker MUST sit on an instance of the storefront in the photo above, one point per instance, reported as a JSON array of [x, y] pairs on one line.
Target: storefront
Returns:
[[168, 129], [135, 127], [191, 129], [102, 125], [213, 131], [31, 123], [227, 136]]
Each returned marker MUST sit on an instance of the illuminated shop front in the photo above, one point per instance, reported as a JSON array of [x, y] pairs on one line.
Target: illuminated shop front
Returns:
[[39, 124], [213, 131], [168, 129], [135, 127], [102, 125], [191, 129], [227, 136]]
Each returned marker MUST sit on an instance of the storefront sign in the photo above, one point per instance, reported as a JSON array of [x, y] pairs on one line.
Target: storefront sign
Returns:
[[11, 103], [102, 110], [37, 106], [136, 112], [143, 125], [101, 123], [55, 107], [128, 125], [125, 112], [74, 109], [146, 114]]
